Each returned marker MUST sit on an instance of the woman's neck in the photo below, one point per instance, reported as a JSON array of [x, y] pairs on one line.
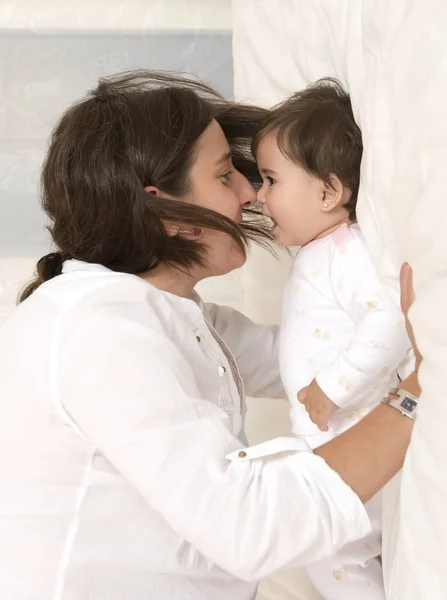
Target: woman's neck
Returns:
[[172, 281]]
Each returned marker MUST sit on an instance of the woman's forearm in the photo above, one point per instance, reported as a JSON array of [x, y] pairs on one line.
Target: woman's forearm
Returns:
[[370, 453]]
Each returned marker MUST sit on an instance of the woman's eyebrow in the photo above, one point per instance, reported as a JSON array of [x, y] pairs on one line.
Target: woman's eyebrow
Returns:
[[223, 158]]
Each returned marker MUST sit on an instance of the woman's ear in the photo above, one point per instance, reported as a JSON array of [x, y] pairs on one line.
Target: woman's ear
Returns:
[[171, 229], [151, 189], [333, 194]]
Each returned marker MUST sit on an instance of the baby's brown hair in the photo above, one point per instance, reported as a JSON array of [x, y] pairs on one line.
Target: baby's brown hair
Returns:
[[316, 130]]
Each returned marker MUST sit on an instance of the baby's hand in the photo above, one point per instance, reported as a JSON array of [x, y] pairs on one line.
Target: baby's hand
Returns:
[[317, 404]]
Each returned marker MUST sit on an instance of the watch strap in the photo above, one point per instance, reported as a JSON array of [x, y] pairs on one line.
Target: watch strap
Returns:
[[402, 401]]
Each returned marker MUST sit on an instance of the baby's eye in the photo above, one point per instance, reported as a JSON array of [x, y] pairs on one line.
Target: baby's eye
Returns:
[[270, 180]]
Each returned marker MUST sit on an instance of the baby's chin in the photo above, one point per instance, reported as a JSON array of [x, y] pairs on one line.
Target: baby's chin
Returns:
[[288, 240]]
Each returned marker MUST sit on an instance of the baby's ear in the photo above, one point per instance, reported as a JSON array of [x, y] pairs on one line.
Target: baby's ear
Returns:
[[333, 194]]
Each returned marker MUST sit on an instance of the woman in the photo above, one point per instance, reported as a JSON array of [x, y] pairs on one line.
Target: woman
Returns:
[[123, 393]]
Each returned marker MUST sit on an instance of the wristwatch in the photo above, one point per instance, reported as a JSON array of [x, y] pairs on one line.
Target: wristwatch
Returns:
[[405, 403]]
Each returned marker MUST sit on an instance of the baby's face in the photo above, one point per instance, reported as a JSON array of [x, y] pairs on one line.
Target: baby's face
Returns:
[[292, 198]]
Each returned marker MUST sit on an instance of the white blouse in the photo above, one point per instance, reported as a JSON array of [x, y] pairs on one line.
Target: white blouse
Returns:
[[121, 474]]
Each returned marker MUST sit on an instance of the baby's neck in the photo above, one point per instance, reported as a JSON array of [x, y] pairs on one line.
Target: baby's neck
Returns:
[[334, 227]]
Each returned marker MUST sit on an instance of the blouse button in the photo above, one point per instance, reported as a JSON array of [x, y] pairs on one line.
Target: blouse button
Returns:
[[198, 338], [242, 454], [221, 370]]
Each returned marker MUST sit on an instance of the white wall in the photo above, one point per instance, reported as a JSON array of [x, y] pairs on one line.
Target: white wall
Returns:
[[133, 15], [53, 51]]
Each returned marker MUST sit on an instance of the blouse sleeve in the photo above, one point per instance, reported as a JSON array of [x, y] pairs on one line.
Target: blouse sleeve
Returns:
[[132, 392], [255, 348]]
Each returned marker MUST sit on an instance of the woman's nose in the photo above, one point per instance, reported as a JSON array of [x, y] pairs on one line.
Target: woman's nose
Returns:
[[245, 191]]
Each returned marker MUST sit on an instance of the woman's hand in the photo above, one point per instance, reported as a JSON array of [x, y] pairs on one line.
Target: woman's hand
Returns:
[[406, 301]]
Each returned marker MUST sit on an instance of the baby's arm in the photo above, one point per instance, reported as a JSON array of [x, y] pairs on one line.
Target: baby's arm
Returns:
[[380, 341]]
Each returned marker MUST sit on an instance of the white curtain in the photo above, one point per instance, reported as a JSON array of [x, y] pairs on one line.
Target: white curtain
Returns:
[[393, 58]]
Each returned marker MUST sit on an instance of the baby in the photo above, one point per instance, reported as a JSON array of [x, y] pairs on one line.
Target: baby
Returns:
[[342, 337]]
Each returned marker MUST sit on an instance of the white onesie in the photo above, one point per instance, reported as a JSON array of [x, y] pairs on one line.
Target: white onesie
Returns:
[[340, 327]]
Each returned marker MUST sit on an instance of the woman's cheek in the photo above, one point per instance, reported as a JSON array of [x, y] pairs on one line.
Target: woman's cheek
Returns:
[[233, 206]]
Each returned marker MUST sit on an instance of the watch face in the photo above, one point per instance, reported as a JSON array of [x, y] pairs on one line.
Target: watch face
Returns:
[[408, 404]]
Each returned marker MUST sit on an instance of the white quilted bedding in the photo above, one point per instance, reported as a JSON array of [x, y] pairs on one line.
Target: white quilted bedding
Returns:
[[392, 56]]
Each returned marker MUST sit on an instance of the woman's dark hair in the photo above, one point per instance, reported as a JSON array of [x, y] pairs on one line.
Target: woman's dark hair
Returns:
[[316, 129], [138, 129]]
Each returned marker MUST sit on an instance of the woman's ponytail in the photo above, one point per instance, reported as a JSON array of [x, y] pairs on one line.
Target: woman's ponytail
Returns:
[[48, 266]]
